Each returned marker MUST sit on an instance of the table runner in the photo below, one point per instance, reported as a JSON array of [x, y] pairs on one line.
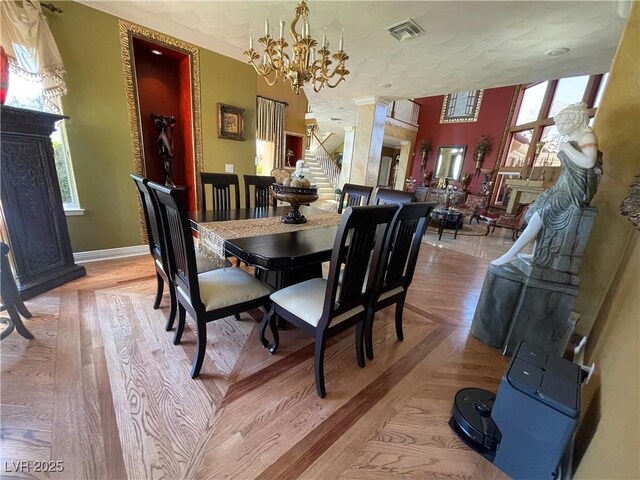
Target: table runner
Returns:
[[212, 235]]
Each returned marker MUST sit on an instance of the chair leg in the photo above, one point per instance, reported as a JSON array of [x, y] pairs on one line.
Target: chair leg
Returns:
[[360, 328], [173, 301], [273, 325], [22, 308], [268, 312], [368, 333], [182, 313], [17, 322], [399, 309], [319, 365], [159, 289], [8, 329], [200, 348]]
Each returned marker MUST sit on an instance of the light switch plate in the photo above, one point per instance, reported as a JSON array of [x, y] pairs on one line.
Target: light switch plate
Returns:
[[228, 167]]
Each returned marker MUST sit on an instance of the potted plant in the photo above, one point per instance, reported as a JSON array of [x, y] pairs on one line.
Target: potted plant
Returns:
[[425, 150], [482, 148]]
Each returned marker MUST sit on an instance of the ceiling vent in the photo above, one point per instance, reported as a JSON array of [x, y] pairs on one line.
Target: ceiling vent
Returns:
[[405, 30]]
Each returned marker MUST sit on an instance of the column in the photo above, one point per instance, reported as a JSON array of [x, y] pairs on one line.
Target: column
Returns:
[[364, 166], [347, 155], [405, 150]]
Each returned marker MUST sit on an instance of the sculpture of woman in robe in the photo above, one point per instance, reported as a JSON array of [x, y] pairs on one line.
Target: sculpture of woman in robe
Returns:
[[573, 191]]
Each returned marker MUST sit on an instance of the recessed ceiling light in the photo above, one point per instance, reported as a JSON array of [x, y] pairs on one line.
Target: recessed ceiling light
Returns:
[[156, 52], [384, 85], [556, 52]]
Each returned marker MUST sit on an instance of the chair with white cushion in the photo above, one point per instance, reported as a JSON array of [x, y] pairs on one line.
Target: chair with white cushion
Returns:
[[397, 265], [205, 296], [325, 307], [158, 250]]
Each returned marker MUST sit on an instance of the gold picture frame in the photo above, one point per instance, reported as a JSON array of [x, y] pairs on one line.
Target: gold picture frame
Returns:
[[461, 107], [230, 122]]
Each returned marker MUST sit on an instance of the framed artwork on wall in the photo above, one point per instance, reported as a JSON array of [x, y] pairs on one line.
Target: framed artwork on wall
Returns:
[[230, 122], [461, 107]]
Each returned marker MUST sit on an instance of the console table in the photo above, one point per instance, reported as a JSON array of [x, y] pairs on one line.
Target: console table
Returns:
[[34, 221]]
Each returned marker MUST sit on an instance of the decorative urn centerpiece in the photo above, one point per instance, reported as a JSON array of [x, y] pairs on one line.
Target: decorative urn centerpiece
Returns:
[[295, 190]]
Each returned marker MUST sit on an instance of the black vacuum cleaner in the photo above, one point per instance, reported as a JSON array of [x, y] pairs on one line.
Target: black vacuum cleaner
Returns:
[[526, 429]]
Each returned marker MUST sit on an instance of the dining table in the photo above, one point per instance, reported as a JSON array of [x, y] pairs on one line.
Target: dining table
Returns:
[[290, 256]]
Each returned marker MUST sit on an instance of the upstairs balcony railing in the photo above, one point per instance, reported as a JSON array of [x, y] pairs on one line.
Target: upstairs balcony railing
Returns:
[[405, 111]]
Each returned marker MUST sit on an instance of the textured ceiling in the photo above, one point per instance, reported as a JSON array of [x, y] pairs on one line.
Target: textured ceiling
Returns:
[[466, 45]]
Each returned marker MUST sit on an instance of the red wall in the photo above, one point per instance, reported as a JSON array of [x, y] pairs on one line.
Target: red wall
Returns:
[[491, 121]]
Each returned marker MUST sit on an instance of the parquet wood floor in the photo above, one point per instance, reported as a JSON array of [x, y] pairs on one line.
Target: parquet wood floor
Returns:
[[103, 389]]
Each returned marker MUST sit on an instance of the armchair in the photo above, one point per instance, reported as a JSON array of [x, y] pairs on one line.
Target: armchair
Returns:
[[473, 206], [514, 222]]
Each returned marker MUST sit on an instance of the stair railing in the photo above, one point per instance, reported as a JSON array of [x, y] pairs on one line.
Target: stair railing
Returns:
[[328, 165]]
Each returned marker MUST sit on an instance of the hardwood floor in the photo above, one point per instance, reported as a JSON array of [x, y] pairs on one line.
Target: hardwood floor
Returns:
[[103, 390]]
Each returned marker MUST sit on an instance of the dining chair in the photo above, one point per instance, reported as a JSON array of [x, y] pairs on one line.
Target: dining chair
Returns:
[[221, 185], [158, 250], [389, 195], [261, 191], [397, 265], [473, 206], [325, 307], [355, 196], [204, 296]]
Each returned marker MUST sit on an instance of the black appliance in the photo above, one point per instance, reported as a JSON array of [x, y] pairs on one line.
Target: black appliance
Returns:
[[526, 429]]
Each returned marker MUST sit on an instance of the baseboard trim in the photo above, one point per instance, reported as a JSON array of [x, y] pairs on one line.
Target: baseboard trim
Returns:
[[110, 253]]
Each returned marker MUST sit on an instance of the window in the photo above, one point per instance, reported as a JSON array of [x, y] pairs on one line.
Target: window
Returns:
[[28, 94], [533, 141]]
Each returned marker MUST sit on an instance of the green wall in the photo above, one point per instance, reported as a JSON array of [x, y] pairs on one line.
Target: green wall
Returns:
[[98, 128]]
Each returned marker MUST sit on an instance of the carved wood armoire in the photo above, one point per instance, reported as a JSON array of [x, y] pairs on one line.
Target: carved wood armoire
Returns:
[[34, 220]]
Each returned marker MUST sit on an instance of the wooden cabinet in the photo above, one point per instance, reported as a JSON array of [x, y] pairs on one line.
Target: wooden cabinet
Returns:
[[34, 220]]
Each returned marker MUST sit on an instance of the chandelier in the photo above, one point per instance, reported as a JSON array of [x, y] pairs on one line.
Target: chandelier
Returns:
[[303, 67]]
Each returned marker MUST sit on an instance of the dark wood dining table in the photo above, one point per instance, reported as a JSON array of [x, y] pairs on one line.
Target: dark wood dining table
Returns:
[[285, 258]]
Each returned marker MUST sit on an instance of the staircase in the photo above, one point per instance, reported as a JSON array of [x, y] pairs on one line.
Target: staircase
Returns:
[[326, 192]]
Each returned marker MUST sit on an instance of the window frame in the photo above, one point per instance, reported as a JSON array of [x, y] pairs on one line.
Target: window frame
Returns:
[[537, 126], [72, 208]]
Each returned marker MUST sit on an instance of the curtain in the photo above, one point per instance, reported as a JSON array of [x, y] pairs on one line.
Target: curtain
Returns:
[[31, 49], [270, 127]]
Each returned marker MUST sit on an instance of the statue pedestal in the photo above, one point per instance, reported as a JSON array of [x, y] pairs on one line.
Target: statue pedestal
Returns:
[[523, 301]]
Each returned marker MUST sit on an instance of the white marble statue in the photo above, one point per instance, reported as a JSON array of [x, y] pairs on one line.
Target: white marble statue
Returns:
[[299, 172], [576, 185]]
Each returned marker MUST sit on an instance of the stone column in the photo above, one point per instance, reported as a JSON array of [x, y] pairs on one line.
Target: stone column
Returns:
[[405, 150], [364, 166], [347, 156]]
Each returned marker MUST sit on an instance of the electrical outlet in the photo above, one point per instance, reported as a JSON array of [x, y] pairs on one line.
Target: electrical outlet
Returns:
[[228, 167]]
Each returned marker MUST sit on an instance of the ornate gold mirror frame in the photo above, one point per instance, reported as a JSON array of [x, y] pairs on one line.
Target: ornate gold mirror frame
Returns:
[[127, 32]]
